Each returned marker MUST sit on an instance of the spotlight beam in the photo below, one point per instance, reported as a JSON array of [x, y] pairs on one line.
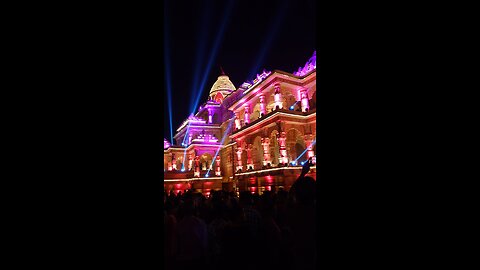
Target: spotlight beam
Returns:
[[213, 54], [185, 151], [166, 53], [225, 135], [269, 38], [296, 160], [201, 36], [186, 133]]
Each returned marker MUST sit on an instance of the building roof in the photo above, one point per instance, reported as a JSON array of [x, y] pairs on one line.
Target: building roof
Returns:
[[223, 83]]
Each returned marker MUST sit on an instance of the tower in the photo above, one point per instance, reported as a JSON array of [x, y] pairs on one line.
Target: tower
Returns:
[[221, 88]]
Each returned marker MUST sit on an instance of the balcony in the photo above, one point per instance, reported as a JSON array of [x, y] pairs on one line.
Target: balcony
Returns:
[[177, 174], [260, 119]]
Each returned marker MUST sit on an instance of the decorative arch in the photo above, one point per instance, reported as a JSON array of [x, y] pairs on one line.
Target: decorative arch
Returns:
[[274, 147], [205, 161], [294, 133], [255, 113], [257, 152], [178, 161], [294, 136], [274, 133], [285, 96], [244, 154], [218, 97], [300, 150], [289, 100], [270, 102]]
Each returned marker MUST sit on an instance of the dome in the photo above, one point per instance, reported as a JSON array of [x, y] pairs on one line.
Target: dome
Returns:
[[223, 83], [221, 88]]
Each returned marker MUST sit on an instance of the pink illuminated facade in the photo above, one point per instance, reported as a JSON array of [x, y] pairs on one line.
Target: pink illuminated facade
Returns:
[[249, 138]]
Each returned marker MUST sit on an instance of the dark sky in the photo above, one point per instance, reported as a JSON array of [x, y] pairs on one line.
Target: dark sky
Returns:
[[257, 34]]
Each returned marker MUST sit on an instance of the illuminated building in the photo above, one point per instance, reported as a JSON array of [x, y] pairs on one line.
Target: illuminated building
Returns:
[[251, 138]]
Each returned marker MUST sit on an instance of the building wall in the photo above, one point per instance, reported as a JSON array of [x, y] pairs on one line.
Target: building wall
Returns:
[[297, 127]]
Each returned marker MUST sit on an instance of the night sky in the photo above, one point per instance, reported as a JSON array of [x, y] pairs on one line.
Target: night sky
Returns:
[[257, 34]]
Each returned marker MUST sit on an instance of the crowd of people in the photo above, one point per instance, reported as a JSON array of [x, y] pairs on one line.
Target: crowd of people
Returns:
[[275, 230]]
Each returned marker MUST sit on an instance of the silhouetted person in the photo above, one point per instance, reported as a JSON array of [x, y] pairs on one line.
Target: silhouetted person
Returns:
[[237, 249], [252, 216], [301, 220], [191, 238], [170, 231], [216, 229], [269, 234]]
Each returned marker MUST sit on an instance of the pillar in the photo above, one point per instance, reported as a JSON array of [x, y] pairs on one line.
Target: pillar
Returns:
[[266, 150], [304, 99], [278, 96], [263, 110], [247, 115], [237, 121], [309, 143], [249, 158], [174, 162], [217, 171], [210, 115], [239, 157], [190, 161], [282, 141], [197, 167]]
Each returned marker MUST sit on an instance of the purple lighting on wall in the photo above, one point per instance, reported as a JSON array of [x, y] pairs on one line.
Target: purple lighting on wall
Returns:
[[166, 144]]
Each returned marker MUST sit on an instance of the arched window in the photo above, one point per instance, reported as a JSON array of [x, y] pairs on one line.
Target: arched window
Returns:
[[219, 97]]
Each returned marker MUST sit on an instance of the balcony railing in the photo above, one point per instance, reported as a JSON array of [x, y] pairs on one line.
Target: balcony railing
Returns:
[[258, 120]]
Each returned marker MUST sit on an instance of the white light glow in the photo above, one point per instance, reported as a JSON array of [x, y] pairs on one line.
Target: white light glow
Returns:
[[274, 169], [192, 179]]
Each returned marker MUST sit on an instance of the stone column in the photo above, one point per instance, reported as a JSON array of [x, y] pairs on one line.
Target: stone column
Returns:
[[239, 157], [249, 158], [237, 121], [217, 171], [210, 115], [174, 162], [309, 143], [247, 115], [266, 150], [197, 167], [304, 98], [278, 96], [263, 109], [190, 161], [282, 141]]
